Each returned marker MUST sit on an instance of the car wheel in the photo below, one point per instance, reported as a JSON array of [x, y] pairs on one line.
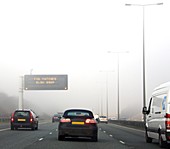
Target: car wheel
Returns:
[[33, 127], [36, 127], [148, 139], [61, 137], [162, 143], [95, 138], [12, 127]]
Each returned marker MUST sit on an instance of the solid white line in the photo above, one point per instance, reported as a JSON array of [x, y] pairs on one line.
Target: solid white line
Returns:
[[10, 128], [40, 139], [5, 129]]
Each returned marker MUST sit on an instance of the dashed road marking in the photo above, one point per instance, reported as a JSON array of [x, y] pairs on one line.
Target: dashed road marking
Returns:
[[50, 133], [40, 139], [122, 142], [111, 135], [104, 131]]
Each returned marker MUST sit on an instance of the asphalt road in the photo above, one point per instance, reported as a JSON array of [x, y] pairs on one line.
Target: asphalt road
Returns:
[[110, 137]]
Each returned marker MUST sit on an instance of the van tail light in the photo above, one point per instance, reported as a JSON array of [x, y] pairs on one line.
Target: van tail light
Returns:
[[90, 121], [31, 118], [65, 120], [12, 117], [167, 122]]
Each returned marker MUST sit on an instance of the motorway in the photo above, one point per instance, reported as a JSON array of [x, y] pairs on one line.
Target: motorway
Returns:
[[111, 136]]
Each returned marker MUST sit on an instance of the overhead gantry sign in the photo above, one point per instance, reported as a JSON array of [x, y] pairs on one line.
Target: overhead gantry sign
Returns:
[[45, 82]]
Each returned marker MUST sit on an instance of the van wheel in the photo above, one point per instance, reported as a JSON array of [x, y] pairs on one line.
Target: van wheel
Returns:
[[148, 139], [162, 143]]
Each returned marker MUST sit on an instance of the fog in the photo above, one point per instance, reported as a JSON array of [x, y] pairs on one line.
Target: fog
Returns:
[[73, 38]]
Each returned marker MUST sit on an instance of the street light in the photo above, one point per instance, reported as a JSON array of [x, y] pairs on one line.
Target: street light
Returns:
[[31, 70], [118, 105], [144, 78], [107, 91]]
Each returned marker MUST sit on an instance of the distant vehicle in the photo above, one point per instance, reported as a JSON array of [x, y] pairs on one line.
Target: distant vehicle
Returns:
[[103, 119], [78, 123], [112, 118], [158, 116], [56, 117], [96, 117], [24, 119]]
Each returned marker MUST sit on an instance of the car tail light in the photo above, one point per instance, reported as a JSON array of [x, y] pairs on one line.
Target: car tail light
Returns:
[[31, 118], [90, 121], [167, 122], [12, 118], [65, 120]]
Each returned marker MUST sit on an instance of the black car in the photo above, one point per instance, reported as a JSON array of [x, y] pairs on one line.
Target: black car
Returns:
[[56, 117], [78, 123], [24, 119]]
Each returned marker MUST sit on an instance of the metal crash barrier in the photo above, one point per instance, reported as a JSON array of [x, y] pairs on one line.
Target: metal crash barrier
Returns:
[[132, 124], [4, 119]]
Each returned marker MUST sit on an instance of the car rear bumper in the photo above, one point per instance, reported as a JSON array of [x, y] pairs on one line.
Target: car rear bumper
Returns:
[[23, 125], [102, 121], [78, 132]]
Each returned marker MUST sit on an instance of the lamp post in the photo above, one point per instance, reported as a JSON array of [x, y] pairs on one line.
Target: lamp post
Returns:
[[21, 92], [107, 92], [144, 74], [118, 101], [31, 70]]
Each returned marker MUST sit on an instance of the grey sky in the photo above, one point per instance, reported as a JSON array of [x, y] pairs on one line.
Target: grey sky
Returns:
[[73, 37]]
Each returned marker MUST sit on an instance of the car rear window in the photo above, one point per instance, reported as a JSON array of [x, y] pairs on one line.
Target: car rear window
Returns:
[[103, 117], [57, 115], [78, 113], [22, 113]]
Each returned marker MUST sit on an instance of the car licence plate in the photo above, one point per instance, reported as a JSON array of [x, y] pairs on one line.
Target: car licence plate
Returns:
[[21, 120], [78, 123]]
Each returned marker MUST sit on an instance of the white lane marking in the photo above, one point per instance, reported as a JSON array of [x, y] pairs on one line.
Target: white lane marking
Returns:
[[5, 129], [43, 123], [104, 131], [50, 133], [122, 142], [110, 135], [128, 128], [40, 139]]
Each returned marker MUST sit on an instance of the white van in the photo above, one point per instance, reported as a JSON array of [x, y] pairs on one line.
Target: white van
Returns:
[[157, 124]]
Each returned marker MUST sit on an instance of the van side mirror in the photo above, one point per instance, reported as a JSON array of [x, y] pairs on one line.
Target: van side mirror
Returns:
[[145, 111]]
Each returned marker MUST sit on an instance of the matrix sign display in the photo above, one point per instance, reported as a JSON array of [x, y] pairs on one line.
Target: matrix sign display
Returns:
[[45, 82]]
